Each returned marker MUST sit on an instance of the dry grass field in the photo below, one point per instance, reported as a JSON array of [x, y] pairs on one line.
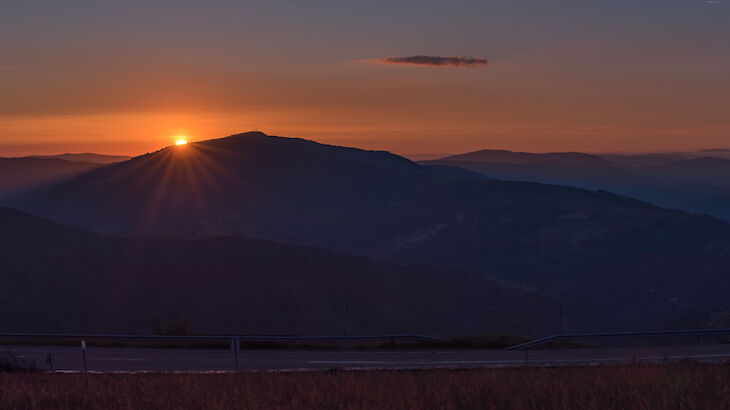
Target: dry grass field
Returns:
[[681, 386]]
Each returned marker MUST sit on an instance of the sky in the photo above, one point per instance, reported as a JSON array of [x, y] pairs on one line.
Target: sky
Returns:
[[132, 76]]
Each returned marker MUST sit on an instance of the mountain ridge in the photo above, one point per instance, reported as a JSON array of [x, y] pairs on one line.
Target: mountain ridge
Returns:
[[561, 240], [681, 180], [86, 157], [492, 155], [21, 175], [58, 278]]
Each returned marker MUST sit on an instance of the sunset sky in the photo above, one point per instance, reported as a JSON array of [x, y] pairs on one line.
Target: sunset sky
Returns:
[[132, 76]]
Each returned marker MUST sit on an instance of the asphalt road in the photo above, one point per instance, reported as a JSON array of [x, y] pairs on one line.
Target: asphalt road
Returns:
[[143, 359]]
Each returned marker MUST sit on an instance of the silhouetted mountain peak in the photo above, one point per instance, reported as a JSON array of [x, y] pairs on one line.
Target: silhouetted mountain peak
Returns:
[[258, 145], [249, 136]]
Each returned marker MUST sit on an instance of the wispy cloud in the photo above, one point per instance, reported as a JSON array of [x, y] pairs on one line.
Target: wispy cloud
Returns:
[[9, 67], [435, 61]]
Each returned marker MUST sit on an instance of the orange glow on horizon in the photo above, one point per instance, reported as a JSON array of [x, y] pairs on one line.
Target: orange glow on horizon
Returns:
[[137, 133], [190, 72]]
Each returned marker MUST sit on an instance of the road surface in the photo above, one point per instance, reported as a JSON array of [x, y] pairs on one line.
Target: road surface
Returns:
[[144, 359]]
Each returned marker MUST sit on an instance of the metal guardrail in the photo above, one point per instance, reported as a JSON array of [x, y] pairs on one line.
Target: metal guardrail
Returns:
[[82, 339], [661, 333], [243, 338], [363, 338]]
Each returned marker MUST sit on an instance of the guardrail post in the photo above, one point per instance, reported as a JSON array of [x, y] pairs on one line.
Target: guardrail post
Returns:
[[49, 360], [83, 354], [235, 347]]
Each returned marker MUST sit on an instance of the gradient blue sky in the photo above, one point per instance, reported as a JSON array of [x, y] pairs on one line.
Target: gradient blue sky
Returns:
[[129, 77]]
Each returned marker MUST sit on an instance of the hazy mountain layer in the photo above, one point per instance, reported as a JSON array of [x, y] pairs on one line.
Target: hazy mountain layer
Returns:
[[686, 181], [20, 175], [701, 170], [88, 157]]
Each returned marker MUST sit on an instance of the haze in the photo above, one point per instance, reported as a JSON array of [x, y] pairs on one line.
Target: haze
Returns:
[[130, 77]]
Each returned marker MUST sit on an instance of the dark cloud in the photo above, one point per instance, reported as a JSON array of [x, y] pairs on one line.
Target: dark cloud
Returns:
[[436, 61]]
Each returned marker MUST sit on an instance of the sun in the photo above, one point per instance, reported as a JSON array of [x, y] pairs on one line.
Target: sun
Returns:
[[181, 142]]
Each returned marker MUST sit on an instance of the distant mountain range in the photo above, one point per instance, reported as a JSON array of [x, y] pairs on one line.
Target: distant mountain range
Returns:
[[707, 170], [23, 174], [57, 278], [511, 157], [20, 175], [690, 181], [88, 157], [612, 261], [657, 158]]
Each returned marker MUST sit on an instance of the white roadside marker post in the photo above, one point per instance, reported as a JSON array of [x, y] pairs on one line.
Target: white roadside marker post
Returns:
[[83, 354]]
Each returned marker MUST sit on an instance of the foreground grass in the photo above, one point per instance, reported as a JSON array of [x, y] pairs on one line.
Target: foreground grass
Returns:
[[687, 385]]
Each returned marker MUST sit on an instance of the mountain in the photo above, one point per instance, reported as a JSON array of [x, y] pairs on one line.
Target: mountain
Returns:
[[691, 185], [57, 278], [614, 262], [653, 158], [19, 175], [88, 157], [587, 174], [717, 203], [423, 157], [723, 153], [284, 185], [511, 157], [660, 158], [562, 168], [703, 170]]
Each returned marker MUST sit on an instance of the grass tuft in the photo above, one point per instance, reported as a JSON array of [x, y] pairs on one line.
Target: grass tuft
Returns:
[[13, 364]]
